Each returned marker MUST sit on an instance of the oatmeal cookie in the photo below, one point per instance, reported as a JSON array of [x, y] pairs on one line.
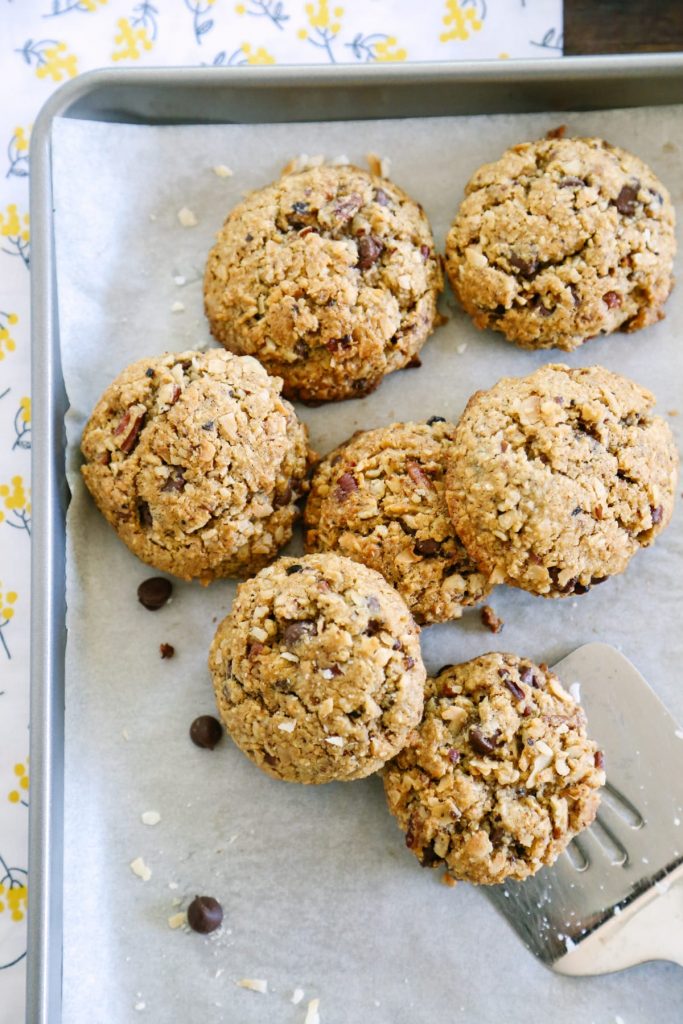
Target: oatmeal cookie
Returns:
[[500, 774], [197, 463], [328, 276], [380, 499], [317, 670], [561, 240], [555, 480]]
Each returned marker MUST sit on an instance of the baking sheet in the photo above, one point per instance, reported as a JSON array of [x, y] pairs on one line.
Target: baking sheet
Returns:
[[318, 889]]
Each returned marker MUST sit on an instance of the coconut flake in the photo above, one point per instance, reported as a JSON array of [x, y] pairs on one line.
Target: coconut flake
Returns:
[[297, 996], [334, 741], [575, 692], [253, 984], [288, 726], [178, 307], [177, 920], [221, 171], [139, 868], [312, 1015], [150, 817], [187, 218]]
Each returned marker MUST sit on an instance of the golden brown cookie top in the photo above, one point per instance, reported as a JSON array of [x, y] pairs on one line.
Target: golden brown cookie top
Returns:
[[555, 480], [500, 774], [560, 240], [317, 669], [329, 276], [380, 499], [197, 460]]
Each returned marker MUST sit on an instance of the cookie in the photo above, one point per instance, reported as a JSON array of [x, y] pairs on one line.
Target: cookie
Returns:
[[555, 480], [197, 463], [328, 276], [317, 670], [561, 240], [500, 774], [380, 499]]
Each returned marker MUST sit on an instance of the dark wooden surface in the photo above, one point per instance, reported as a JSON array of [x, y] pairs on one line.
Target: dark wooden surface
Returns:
[[622, 26]]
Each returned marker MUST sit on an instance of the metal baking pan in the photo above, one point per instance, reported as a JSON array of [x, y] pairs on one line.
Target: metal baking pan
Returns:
[[205, 96]]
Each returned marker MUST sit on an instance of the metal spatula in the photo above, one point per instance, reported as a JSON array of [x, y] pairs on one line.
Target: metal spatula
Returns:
[[615, 897]]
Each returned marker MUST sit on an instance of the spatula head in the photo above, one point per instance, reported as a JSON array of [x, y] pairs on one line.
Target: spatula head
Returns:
[[635, 844]]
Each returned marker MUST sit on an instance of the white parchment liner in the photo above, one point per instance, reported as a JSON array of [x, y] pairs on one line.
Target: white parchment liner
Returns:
[[318, 889]]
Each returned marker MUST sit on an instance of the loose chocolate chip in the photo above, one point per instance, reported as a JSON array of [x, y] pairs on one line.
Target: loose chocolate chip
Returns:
[[516, 691], [626, 200], [369, 251], [166, 650], [144, 514], [435, 419], [176, 481], [571, 182], [206, 731], [345, 485], [291, 569], [527, 268], [204, 914], [427, 548], [149, 372], [381, 197], [209, 425], [599, 759], [154, 592], [296, 631], [656, 514], [480, 743], [612, 300]]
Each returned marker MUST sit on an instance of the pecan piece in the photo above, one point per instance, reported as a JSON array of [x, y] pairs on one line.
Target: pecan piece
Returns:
[[129, 427], [418, 475]]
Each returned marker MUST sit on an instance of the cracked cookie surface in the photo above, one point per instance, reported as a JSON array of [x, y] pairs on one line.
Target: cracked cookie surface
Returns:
[[560, 240], [380, 499], [499, 776], [329, 277], [197, 462], [555, 480], [317, 670]]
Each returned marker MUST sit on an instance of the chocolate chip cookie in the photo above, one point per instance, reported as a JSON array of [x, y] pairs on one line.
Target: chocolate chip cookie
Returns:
[[560, 240], [329, 277], [555, 480], [317, 670], [380, 499], [499, 776], [197, 462]]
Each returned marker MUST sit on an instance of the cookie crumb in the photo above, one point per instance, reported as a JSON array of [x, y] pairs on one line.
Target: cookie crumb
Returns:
[[557, 133], [177, 920], [379, 165], [297, 996], [491, 620], [166, 650], [575, 692], [150, 817], [221, 171], [187, 218], [139, 868], [140, 1006], [312, 1015], [461, 349], [253, 984], [672, 412], [448, 880], [178, 307]]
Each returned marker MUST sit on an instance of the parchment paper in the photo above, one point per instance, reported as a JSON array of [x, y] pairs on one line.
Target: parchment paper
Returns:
[[318, 889]]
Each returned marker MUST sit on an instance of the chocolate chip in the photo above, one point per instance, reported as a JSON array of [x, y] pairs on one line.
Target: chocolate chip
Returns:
[[296, 631], [413, 364], [374, 627], [425, 252], [543, 310], [490, 619], [480, 743], [176, 481], [282, 497], [571, 182], [249, 238], [409, 662], [599, 759], [369, 251], [209, 425], [429, 858], [656, 514], [529, 677], [596, 580], [204, 914], [300, 207], [516, 691], [381, 197], [149, 372], [575, 296], [581, 588], [577, 511], [612, 300], [427, 548], [345, 485], [453, 755], [435, 419], [335, 344], [206, 731], [527, 268], [626, 200], [291, 569], [144, 514], [302, 350], [154, 592], [166, 650]]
